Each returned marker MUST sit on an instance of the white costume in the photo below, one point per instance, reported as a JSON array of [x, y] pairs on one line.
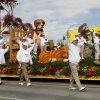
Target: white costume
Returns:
[[24, 55], [81, 42]]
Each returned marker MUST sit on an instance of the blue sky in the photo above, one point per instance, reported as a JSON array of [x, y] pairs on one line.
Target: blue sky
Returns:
[[59, 15]]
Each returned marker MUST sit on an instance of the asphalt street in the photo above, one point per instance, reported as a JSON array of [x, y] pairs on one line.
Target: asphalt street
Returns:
[[48, 90]]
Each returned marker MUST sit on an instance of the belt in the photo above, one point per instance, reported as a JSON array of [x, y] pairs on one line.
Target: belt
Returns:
[[24, 63]]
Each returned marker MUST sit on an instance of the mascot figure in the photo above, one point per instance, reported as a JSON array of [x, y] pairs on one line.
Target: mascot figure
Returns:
[[85, 32], [39, 25]]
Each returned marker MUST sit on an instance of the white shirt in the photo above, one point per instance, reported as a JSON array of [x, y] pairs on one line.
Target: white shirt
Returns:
[[24, 55], [81, 41], [74, 55], [2, 52], [1, 43], [95, 38], [43, 41]]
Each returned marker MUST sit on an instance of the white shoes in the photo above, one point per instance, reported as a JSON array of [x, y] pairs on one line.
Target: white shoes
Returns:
[[82, 88], [72, 88], [28, 84], [21, 83]]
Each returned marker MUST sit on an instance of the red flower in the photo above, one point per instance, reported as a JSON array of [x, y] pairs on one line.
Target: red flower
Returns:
[[91, 72], [52, 70]]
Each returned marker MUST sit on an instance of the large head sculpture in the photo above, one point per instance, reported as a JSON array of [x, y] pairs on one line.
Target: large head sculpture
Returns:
[[84, 30], [39, 25]]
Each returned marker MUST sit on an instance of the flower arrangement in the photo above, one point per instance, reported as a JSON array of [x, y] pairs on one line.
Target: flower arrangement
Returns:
[[52, 70], [65, 71], [13, 70], [85, 68], [13, 57], [4, 70]]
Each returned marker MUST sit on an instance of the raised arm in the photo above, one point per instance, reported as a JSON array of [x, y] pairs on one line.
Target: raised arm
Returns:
[[67, 36], [31, 48], [18, 56]]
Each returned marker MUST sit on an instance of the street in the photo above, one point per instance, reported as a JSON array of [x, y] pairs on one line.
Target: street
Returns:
[[11, 90]]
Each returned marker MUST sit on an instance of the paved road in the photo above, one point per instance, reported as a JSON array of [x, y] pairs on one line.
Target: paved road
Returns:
[[11, 90]]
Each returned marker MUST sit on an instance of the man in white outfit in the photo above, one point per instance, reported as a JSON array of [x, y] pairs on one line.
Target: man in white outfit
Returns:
[[81, 42], [2, 58], [74, 59], [96, 46], [24, 58]]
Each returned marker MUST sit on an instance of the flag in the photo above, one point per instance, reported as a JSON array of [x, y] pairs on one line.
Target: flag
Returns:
[[64, 37]]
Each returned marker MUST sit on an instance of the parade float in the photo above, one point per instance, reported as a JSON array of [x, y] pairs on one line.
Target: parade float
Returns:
[[51, 64]]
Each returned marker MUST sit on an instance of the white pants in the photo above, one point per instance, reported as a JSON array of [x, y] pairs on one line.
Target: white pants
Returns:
[[81, 50], [97, 51]]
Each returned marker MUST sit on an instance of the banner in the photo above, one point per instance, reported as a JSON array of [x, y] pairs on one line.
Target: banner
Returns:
[[74, 33]]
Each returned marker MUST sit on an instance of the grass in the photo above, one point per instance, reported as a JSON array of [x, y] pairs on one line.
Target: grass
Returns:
[[85, 62]]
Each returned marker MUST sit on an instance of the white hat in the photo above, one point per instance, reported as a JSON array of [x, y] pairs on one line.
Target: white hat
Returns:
[[24, 38], [75, 39], [25, 44]]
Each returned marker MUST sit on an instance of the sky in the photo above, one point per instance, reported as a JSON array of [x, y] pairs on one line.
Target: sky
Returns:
[[59, 15]]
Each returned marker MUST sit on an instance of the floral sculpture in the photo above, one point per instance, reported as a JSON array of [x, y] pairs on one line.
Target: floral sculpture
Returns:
[[53, 55]]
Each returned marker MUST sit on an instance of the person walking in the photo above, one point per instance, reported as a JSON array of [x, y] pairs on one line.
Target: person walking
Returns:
[[24, 58], [74, 59], [2, 58]]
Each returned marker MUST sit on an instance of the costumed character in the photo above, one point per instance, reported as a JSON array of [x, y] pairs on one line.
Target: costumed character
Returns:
[[85, 32]]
